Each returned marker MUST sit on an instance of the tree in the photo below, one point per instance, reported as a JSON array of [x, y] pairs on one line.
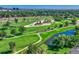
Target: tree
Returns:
[[3, 33], [60, 25], [33, 49], [24, 19], [21, 29], [73, 21], [13, 31], [77, 30], [16, 20], [7, 23], [56, 42], [66, 23], [12, 46], [64, 41]]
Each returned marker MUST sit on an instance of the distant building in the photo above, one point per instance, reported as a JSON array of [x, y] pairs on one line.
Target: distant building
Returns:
[[77, 22], [69, 18], [8, 9], [5, 10]]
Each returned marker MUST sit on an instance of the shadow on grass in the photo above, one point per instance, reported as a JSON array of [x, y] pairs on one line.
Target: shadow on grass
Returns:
[[54, 48], [6, 52]]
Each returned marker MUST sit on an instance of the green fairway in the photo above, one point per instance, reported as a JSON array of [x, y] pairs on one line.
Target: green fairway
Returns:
[[25, 39], [21, 42], [47, 35], [30, 33]]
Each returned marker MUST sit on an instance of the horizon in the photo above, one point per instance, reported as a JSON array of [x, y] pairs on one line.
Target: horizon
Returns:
[[41, 6]]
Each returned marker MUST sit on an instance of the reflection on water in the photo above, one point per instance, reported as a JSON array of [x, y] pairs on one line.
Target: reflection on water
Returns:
[[69, 33]]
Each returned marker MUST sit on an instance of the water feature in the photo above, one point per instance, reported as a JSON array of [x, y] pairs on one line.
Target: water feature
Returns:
[[69, 33]]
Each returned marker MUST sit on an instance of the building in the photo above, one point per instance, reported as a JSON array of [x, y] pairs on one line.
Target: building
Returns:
[[77, 22]]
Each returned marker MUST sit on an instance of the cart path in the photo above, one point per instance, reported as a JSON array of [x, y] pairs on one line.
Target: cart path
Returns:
[[40, 39], [74, 50], [35, 42]]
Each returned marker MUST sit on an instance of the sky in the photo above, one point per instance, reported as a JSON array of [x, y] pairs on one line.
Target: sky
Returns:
[[42, 6]]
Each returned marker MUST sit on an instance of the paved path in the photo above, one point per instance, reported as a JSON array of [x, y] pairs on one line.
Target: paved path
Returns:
[[40, 39], [37, 34], [37, 41], [74, 50], [30, 25]]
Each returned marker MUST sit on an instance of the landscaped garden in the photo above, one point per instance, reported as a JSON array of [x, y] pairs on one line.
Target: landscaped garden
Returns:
[[38, 31]]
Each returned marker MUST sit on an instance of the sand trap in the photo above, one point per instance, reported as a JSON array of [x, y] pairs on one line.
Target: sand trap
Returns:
[[42, 24]]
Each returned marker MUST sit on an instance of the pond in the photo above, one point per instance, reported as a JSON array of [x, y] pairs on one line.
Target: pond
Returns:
[[69, 33]]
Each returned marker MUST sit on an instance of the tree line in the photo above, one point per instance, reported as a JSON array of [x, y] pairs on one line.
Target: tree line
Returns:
[[40, 12]]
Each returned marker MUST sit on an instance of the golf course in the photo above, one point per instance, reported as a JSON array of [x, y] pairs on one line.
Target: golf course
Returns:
[[39, 31]]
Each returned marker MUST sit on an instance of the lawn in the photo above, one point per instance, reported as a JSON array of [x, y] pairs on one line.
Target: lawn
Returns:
[[60, 51], [43, 28], [47, 35], [27, 37], [21, 42]]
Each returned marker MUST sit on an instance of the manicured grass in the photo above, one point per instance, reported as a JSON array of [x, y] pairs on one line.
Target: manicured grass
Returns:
[[25, 39], [47, 35], [21, 42], [60, 51], [28, 20], [42, 28], [37, 29]]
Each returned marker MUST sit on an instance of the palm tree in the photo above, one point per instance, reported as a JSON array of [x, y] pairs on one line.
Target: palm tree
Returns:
[[24, 19], [73, 21], [33, 49], [77, 30], [7, 23], [16, 20], [64, 41], [12, 46], [66, 23], [56, 42]]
